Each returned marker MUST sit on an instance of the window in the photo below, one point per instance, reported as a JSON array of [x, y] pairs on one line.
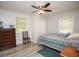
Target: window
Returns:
[[65, 24], [20, 24]]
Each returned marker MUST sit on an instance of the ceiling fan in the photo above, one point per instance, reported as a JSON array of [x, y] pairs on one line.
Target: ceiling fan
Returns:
[[41, 9]]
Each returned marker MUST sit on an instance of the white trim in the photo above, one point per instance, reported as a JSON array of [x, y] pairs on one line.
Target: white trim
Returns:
[[18, 43]]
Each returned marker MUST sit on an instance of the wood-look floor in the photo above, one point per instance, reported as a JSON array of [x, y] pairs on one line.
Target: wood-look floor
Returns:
[[21, 50]]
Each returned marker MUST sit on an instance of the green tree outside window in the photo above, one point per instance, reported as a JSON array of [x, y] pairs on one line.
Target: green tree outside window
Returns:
[[20, 24], [65, 24]]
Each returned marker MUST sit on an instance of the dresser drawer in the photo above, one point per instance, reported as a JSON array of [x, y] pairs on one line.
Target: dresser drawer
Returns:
[[7, 47], [7, 34], [7, 38], [6, 43], [5, 31]]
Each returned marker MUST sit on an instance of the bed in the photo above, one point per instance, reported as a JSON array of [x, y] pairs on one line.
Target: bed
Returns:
[[57, 41]]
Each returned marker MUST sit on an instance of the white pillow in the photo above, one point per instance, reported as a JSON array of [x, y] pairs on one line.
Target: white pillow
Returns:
[[73, 36]]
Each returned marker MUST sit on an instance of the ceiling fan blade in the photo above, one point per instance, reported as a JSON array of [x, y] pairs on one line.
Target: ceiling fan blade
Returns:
[[34, 11], [46, 5], [34, 7], [48, 10]]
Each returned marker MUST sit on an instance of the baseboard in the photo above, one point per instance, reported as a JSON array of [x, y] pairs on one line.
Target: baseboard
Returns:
[[18, 43]]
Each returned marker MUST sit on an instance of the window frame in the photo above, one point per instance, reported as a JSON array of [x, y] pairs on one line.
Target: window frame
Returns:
[[24, 18], [59, 24]]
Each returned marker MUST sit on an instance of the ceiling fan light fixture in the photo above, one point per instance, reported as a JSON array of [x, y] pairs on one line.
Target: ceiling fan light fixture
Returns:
[[40, 12], [41, 9]]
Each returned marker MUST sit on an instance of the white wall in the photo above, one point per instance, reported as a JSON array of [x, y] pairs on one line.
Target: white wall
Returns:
[[35, 24], [38, 26], [9, 17], [52, 21], [51, 24]]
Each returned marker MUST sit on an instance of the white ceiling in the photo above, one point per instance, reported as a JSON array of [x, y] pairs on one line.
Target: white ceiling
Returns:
[[25, 6]]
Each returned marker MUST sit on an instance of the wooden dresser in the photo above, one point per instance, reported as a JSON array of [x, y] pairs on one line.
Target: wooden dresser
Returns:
[[7, 38]]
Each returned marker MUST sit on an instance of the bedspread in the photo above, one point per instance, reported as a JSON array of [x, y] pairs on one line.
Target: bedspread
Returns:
[[57, 41]]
